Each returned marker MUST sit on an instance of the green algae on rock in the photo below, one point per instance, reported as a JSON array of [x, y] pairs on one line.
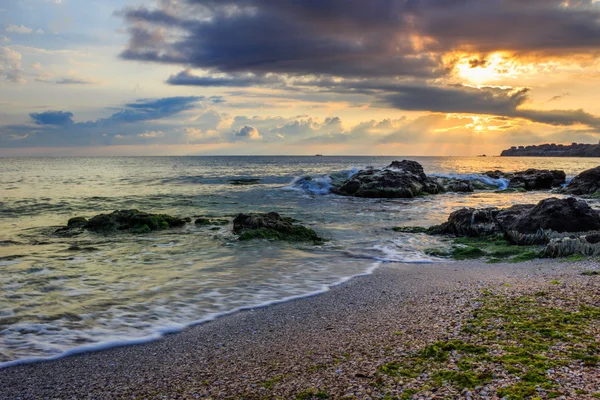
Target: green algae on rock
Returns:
[[132, 221], [272, 226]]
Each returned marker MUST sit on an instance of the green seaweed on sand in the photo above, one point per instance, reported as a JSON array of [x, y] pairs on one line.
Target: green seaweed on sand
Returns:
[[312, 394], [495, 248], [521, 339]]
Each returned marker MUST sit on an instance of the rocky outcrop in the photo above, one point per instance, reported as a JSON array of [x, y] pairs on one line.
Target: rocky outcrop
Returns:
[[132, 221], [524, 223], [585, 184], [401, 179], [531, 179], [557, 215], [272, 226]]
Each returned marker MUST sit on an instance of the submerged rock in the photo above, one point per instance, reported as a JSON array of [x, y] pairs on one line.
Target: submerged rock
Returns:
[[401, 179], [245, 181], [272, 226], [133, 221], [586, 183]]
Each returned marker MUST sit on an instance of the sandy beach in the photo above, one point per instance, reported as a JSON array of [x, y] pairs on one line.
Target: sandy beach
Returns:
[[332, 345]]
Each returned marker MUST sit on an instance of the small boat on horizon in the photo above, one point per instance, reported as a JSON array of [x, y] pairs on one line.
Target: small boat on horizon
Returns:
[[318, 155]]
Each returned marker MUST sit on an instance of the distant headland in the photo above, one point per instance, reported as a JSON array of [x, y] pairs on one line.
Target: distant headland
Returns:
[[554, 150]]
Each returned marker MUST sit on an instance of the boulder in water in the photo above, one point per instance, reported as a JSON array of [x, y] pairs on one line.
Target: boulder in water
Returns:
[[401, 179], [272, 226], [469, 222], [536, 179], [133, 221], [586, 183]]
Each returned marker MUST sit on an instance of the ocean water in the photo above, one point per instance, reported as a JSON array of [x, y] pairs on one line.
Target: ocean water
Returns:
[[131, 288]]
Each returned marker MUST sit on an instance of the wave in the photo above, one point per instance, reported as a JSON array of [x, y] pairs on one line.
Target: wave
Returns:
[[176, 328], [321, 184], [501, 183]]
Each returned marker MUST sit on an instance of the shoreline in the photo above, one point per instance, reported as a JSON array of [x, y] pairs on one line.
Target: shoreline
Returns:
[[324, 341], [161, 333]]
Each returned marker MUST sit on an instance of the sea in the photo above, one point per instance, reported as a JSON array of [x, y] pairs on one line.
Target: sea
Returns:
[[61, 296]]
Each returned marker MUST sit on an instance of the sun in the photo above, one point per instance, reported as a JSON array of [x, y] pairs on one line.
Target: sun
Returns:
[[484, 70]]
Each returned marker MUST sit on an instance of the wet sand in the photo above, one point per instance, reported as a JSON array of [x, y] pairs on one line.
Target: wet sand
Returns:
[[330, 343]]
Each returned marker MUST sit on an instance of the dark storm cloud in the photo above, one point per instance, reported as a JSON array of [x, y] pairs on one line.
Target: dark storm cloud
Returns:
[[57, 118], [354, 38]]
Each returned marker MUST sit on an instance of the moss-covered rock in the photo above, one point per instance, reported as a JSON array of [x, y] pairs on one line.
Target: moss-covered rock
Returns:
[[272, 226], [132, 221]]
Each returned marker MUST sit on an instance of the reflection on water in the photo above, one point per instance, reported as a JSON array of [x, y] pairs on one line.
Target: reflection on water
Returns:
[[60, 293]]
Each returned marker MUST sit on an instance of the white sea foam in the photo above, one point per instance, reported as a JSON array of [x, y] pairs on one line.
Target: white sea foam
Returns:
[[501, 183], [159, 332]]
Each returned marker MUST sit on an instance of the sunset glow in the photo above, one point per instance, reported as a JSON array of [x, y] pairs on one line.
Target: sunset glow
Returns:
[[146, 74]]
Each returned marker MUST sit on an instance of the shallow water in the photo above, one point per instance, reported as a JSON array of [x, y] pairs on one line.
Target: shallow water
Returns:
[[127, 287]]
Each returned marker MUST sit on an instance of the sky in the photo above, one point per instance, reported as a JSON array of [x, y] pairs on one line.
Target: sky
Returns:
[[296, 77]]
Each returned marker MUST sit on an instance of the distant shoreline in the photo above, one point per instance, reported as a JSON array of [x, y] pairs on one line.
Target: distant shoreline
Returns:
[[554, 150]]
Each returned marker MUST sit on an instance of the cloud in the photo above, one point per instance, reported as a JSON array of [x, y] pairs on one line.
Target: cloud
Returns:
[[354, 38], [186, 78], [153, 109], [248, 132], [10, 65], [20, 29], [74, 81], [60, 118]]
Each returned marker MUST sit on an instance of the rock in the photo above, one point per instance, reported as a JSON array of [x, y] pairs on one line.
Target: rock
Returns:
[[586, 183], [524, 223], [455, 185], [535, 179], [77, 222], [531, 179], [469, 222], [401, 179], [497, 174], [202, 221], [557, 215], [272, 226], [245, 181], [133, 221]]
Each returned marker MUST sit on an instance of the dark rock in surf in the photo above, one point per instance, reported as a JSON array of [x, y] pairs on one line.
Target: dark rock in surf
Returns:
[[272, 226], [401, 179], [586, 183], [535, 179], [77, 222], [531, 179]]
